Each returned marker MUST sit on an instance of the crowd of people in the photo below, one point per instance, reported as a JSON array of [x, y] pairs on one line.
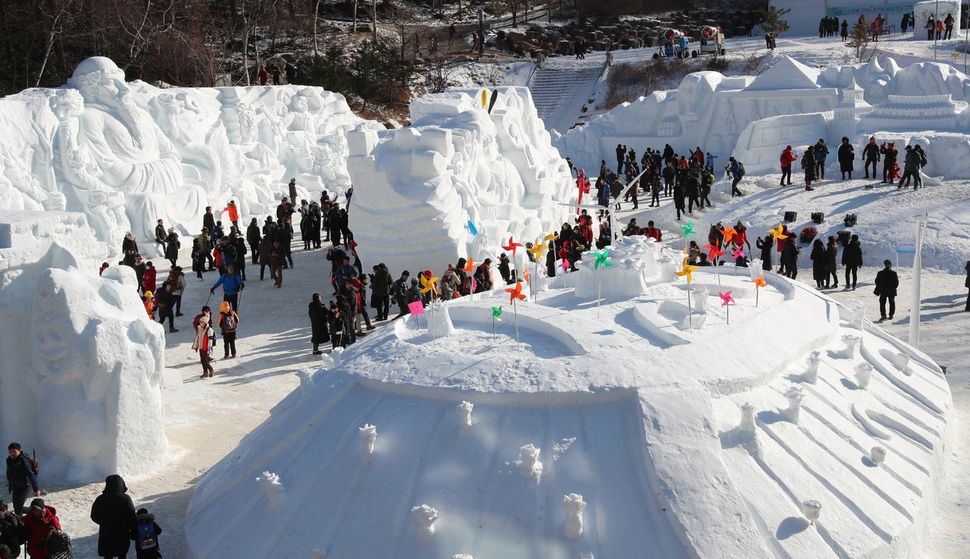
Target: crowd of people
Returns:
[[814, 157]]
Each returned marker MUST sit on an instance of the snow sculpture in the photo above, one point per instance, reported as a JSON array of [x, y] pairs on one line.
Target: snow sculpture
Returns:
[[863, 373], [794, 396], [857, 314], [531, 466], [318, 553], [574, 505], [442, 319], [747, 424], [465, 416], [878, 455], [115, 146], [97, 363], [424, 517], [902, 363], [700, 299], [368, 437], [814, 359], [270, 484], [457, 162], [462, 556], [812, 510], [851, 350]]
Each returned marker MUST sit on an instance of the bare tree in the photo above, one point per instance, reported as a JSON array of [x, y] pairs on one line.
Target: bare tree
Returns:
[[404, 19], [58, 13]]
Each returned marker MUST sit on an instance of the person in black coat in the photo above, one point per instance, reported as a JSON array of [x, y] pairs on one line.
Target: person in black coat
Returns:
[[832, 258], [871, 154], [679, 199], [400, 292], [789, 257], [967, 284], [381, 282], [886, 283], [253, 237], [172, 246], [820, 269], [114, 513], [766, 245], [852, 260], [889, 155], [505, 269], [319, 320], [846, 157]]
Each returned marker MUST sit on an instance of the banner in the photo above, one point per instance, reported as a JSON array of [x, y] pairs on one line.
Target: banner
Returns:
[[871, 10], [904, 246]]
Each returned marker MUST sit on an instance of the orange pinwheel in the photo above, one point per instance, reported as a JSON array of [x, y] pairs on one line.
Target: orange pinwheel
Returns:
[[778, 233], [525, 274], [512, 245], [729, 234], [470, 266], [686, 270], [515, 293], [760, 282]]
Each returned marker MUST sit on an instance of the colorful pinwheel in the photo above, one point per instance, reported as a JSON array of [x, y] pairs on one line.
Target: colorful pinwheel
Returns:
[[758, 284], [778, 233], [601, 258], [515, 293], [537, 249], [512, 245], [427, 284], [726, 298], [551, 237], [469, 266], [728, 234], [688, 229], [713, 252], [737, 252], [496, 312], [525, 274], [564, 263], [686, 270]]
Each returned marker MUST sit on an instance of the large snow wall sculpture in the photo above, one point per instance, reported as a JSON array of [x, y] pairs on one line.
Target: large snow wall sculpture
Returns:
[[128, 154], [474, 156]]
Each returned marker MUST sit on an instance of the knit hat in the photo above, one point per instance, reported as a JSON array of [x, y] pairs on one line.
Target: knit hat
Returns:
[[38, 504]]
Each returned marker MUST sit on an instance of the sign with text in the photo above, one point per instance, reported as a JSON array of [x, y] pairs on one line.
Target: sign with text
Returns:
[[870, 11], [906, 246]]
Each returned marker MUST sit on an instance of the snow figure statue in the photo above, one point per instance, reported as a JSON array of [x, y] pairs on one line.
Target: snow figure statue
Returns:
[[97, 364], [574, 505], [116, 146]]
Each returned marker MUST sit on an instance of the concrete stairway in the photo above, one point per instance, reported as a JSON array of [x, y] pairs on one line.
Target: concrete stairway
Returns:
[[559, 93]]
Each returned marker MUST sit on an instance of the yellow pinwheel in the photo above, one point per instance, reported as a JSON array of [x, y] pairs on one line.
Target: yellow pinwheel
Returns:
[[686, 270], [550, 237], [778, 234], [537, 249], [427, 284]]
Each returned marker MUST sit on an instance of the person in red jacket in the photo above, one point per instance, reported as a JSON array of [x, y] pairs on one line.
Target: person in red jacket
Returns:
[[653, 232], [787, 158], [233, 212], [148, 280], [38, 522]]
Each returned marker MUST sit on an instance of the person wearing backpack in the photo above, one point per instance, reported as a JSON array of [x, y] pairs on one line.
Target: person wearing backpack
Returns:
[[736, 169], [227, 321], [114, 513], [11, 530], [39, 522], [145, 533], [204, 338], [21, 476]]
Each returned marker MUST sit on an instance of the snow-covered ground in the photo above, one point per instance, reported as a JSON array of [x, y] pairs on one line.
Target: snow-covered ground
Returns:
[[274, 332]]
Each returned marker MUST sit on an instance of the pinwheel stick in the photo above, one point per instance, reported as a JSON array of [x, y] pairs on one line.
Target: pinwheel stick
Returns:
[[515, 310], [690, 318], [727, 311], [599, 294], [432, 317], [493, 327], [535, 279], [757, 293]]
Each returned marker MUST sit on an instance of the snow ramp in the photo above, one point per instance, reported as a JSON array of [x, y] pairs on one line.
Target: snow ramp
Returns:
[[559, 93]]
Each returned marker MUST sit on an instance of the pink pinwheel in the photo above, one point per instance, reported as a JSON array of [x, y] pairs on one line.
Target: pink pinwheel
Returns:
[[512, 246], [726, 298], [737, 252], [564, 264]]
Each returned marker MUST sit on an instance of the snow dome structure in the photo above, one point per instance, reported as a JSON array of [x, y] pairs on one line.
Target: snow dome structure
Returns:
[[778, 424], [754, 118], [475, 157], [128, 154]]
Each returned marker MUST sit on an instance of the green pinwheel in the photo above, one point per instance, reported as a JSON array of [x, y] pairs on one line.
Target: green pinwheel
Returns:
[[601, 258], [688, 229], [496, 312]]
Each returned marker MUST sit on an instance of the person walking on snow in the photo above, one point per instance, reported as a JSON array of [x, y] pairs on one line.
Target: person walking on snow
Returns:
[[227, 322], [231, 284], [871, 155], [821, 152], [786, 160], [735, 169], [808, 163], [205, 336], [886, 283], [846, 157], [114, 513], [20, 477]]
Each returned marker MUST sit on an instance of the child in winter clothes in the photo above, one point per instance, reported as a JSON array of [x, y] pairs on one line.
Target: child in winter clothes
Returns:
[[145, 534], [148, 280], [227, 322], [38, 523]]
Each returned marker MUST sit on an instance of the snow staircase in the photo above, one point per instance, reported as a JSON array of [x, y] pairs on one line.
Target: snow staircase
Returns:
[[560, 93]]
